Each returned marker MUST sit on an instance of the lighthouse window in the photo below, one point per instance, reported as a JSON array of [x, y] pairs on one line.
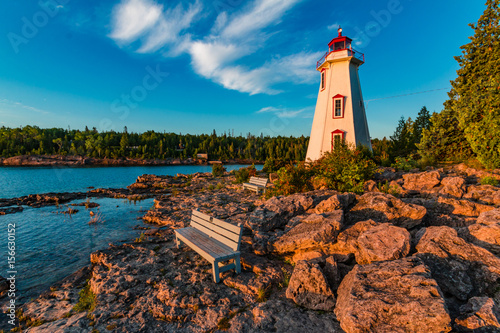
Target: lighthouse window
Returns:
[[323, 80], [338, 108]]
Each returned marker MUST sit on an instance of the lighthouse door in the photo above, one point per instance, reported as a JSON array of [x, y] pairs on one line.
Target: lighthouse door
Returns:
[[337, 139]]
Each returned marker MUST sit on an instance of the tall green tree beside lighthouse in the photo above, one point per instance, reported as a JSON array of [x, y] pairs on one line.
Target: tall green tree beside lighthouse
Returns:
[[476, 90], [471, 117]]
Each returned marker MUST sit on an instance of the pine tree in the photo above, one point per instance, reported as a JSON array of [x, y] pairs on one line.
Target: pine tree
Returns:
[[402, 138], [422, 122], [444, 140], [475, 94]]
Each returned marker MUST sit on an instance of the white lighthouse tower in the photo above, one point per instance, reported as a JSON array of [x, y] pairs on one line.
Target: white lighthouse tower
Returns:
[[340, 111]]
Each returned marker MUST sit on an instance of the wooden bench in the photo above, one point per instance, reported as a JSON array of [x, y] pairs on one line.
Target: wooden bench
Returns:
[[256, 184], [214, 240]]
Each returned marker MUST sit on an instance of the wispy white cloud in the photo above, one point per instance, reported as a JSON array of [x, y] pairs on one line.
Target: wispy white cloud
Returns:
[[19, 105], [286, 113], [147, 21], [218, 56], [169, 26], [334, 26], [260, 14], [132, 18]]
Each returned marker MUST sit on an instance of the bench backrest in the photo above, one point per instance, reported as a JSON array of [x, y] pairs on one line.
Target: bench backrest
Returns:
[[258, 181], [224, 232]]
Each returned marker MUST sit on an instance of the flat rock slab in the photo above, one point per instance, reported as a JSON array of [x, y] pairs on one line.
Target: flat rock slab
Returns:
[[282, 316], [383, 242], [391, 296], [382, 207], [312, 233], [422, 181]]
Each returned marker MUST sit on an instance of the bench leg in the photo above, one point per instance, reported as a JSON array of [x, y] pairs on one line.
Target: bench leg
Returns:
[[178, 243], [215, 269], [237, 264]]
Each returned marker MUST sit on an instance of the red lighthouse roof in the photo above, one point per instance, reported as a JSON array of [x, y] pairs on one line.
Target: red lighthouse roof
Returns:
[[340, 42]]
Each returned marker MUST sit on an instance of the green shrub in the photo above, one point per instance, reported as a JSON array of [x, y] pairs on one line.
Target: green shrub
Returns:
[[292, 179], [404, 163], [218, 169], [87, 301], [489, 181], [244, 174], [274, 164], [344, 169]]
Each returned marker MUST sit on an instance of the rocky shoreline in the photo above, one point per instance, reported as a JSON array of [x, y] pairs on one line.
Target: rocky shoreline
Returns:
[[417, 252], [80, 161]]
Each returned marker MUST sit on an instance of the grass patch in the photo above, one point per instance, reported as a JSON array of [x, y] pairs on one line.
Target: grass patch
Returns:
[[262, 294], [286, 277], [141, 238], [489, 181], [87, 301]]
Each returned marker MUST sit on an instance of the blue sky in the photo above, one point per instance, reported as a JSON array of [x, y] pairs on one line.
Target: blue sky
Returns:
[[194, 66]]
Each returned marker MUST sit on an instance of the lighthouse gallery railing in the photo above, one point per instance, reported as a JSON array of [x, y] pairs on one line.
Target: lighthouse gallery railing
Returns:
[[351, 52]]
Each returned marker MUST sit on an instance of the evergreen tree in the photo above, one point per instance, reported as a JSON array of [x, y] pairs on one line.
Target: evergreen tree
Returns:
[[444, 140], [475, 95], [402, 138], [422, 122]]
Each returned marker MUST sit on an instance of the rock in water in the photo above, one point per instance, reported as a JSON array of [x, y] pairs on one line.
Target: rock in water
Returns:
[[481, 314], [391, 296], [309, 286], [383, 242], [486, 232]]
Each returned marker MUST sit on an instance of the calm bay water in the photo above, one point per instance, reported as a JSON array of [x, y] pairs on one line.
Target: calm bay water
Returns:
[[20, 181], [51, 245]]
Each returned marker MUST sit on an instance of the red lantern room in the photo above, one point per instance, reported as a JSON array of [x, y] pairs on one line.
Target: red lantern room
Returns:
[[335, 48], [340, 43]]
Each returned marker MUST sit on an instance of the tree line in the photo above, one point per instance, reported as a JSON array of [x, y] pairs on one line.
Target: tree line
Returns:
[[32, 140], [468, 128]]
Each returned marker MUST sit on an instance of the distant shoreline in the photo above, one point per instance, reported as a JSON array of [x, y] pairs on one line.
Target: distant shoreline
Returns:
[[79, 161]]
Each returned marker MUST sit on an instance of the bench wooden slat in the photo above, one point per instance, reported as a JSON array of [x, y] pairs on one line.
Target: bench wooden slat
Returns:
[[210, 245], [220, 223], [212, 226], [201, 215], [209, 232], [231, 244], [228, 226], [258, 180], [202, 242]]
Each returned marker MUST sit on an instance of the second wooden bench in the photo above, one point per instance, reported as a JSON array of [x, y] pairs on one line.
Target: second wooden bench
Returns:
[[256, 184]]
